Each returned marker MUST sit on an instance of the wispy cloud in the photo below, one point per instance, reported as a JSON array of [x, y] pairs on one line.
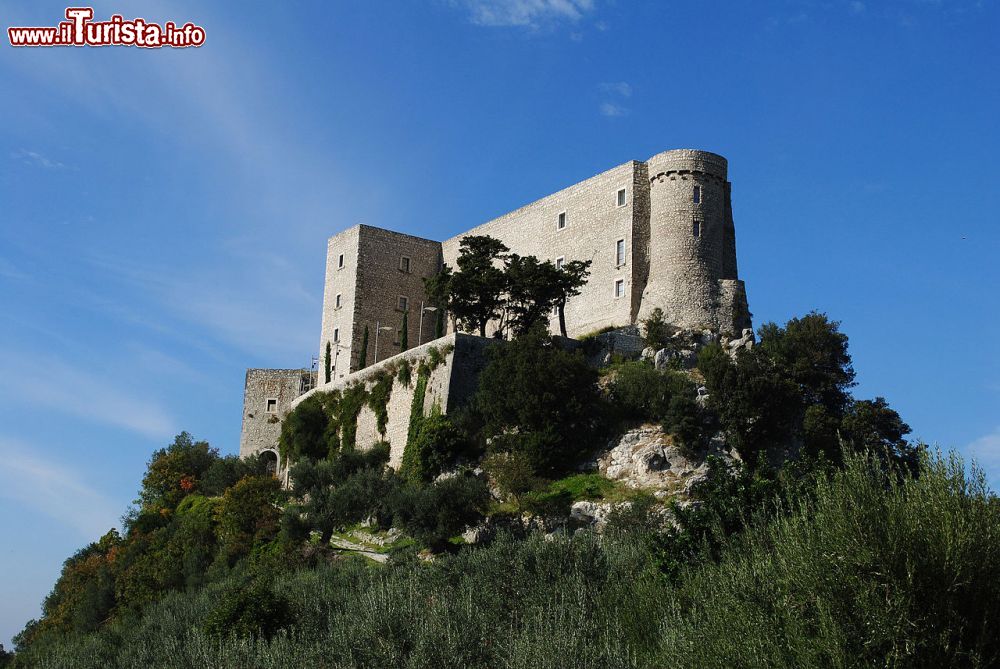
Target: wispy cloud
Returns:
[[43, 485], [622, 88], [614, 93], [612, 110], [527, 13], [986, 452], [66, 389], [36, 159]]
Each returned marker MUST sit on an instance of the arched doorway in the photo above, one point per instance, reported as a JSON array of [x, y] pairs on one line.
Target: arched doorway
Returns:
[[270, 460]]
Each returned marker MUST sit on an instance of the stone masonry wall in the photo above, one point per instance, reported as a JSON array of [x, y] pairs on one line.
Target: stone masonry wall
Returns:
[[261, 426], [594, 223], [450, 385]]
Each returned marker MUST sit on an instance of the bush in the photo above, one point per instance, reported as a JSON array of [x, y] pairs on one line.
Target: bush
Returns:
[[656, 330], [554, 423], [249, 610], [437, 446], [512, 473], [436, 513], [304, 431]]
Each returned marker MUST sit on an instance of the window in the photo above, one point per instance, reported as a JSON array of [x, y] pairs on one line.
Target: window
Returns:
[[620, 252], [621, 197], [404, 303], [696, 229], [404, 264], [561, 221], [697, 195], [272, 405], [340, 261], [336, 334], [338, 304], [620, 288], [560, 261]]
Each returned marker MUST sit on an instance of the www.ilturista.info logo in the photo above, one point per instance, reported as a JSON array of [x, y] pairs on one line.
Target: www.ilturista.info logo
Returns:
[[80, 30]]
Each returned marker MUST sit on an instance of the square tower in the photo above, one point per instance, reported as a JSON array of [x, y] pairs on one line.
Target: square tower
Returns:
[[374, 278]]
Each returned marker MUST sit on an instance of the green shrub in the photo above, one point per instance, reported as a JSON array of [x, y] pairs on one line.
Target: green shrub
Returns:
[[249, 610], [436, 447], [436, 513], [512, 473]]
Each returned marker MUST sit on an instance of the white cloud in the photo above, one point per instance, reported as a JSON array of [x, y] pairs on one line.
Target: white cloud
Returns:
[[36, 159], [985, 451], [59, 493], [529, 13], [70, 390], [622, 88], [611, 109]]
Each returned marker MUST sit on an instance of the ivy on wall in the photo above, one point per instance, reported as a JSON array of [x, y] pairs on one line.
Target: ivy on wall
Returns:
[[378, 399]]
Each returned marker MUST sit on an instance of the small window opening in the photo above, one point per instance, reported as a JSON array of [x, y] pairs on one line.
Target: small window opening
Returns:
[[404, 264], [404, 303], [620, 252], [697, 194], [561, 222], [560, 261], [696, 228], [621, 197], [620, 288], [336, 334], [338, 301], [340, 261], [272, 405]]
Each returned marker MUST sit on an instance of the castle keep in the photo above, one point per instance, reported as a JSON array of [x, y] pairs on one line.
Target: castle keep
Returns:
[[659, 233]]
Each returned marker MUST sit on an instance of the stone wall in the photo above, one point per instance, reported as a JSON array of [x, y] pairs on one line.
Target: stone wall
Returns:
[[594, 224], [268, 395], [450, 385]]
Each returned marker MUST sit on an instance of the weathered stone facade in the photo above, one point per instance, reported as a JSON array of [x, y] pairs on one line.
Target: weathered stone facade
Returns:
[[451, 383], [659, 233], [267, 396]]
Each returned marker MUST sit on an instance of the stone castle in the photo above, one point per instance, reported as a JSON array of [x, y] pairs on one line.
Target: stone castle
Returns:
[[659, 233]]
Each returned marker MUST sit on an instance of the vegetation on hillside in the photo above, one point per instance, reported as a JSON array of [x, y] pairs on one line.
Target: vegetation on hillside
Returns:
[[860, 549]]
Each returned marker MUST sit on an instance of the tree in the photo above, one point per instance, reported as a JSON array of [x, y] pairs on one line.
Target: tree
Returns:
[[328, 362], [871, 425], [531, 292], [655, 329], [174, 472], [539, 399], [404, 335], [363, 354], [478, 288], [569, 280], [438, 291], [248, 515], [304, 431]]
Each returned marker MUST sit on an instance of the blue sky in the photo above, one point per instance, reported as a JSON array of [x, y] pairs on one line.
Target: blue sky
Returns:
[[163, 214]]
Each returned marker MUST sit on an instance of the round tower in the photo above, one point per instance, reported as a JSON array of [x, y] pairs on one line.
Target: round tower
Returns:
[[692, 248]]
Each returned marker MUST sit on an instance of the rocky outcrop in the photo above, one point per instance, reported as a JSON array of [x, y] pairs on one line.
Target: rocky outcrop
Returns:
[[645, 457]]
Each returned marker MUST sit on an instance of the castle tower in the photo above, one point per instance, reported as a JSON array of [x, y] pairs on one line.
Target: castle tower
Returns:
[[692, 243]]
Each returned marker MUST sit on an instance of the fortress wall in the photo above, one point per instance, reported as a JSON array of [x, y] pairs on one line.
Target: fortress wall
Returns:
[[594, 223], [450, 385], [261, 428]]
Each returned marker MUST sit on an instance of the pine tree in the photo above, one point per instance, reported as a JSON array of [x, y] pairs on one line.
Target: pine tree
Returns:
[[327, 363]]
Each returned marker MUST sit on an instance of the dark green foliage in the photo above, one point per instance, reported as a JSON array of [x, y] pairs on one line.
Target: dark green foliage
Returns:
[[5, 657], [812, 353], [872, 426], [346, 413], [378, 399], [363, 352], [476, 291], [304, 430], [224, 472], [249, 610], [405, 374], [175, 471], [328, 362], [512, 473], [531, 292], [439, 323], [656, 330], [436, 513], [411, 462], [404, 335], [568, 282], [436, 447], [248, 515], [538, 399]]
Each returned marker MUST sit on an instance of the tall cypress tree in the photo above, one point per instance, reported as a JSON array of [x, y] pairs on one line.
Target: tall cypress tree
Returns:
[[363, 355], [404, 337], [327, 363]]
